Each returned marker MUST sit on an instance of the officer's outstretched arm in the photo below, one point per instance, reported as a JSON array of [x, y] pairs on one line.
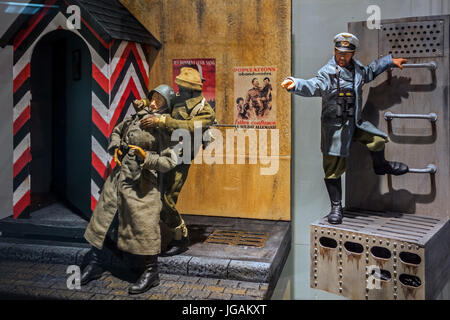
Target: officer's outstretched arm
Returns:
[[377, 67], [314, 87]]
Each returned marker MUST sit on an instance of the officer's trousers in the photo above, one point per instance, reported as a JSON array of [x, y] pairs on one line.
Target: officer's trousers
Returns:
[[334, 167]]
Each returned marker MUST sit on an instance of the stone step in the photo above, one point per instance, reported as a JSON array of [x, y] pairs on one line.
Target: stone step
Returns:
[[55, 222], [28, 280], [56, 236]]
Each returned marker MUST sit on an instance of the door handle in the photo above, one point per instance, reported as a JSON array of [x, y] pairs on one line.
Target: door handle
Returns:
[[431, 169], [432, 117], [428, 65]]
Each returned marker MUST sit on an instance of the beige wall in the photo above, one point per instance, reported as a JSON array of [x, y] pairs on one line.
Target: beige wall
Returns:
[[235, 33]]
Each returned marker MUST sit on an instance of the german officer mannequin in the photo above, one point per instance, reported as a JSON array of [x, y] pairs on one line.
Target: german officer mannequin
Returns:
[[339, 83]]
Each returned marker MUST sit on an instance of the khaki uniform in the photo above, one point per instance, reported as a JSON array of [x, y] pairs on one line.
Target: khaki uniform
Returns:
[[132, 191], [182, 117]]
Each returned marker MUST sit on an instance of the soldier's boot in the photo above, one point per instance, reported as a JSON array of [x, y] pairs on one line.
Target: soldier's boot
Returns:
[[381, 166], [149, 278], [94, 269], [334, 189], [180, 241]]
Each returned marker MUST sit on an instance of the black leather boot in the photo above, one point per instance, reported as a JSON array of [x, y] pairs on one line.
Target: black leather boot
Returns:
[[176, 247], [94, 269], [149, 278], [334, 189], [381, 166]]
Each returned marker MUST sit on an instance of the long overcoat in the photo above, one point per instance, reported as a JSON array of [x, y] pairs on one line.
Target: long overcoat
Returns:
[[132, 190], [336, 134]]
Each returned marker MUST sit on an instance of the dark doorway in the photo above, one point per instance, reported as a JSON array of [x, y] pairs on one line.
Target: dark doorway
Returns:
[[61, 75]]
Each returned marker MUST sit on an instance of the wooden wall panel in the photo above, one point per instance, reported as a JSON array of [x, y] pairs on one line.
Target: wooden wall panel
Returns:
[[235, 33]]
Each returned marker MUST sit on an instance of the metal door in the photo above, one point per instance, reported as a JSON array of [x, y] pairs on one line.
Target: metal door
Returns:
[[412, 107]]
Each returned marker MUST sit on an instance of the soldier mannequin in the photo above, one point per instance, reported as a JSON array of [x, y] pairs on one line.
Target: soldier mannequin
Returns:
[[131, 193], [189, 106], [339, 83]]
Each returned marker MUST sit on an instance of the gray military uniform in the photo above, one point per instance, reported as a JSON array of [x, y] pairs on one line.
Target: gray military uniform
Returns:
[[336, 137]]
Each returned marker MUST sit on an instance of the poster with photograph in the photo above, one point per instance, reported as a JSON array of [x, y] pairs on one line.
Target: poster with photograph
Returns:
[[207, 69], [254, 97]]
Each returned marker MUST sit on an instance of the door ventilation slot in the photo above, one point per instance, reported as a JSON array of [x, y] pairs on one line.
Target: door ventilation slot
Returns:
[[328, 243], [410, 280], [354, 247], [410, 258], [380, 252], [412, 39], [383, 275]]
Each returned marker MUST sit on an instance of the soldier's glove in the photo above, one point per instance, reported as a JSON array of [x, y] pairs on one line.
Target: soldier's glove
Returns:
[[117, 153], [288, 84], [139, 103], [138, 151], [153, 121]]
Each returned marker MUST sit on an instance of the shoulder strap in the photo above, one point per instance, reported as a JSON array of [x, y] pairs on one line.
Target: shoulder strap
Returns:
[[338, 74], [198, 108]]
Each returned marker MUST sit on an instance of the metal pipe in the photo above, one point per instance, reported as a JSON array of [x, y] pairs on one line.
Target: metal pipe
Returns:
[[429, 65], [431, 169], [431, 116]]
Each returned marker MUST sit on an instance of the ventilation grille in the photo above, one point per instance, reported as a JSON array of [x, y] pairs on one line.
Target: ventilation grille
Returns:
[[412, 39], [406, 227], [238, 238]]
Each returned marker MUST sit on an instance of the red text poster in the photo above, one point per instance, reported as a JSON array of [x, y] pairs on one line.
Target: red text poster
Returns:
[[207, 69]]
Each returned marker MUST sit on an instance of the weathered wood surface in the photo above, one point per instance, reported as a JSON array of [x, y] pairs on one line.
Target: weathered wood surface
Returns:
[[235, 33]]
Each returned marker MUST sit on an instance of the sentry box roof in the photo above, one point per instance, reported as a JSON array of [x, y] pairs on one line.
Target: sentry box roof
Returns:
[[109, 18]]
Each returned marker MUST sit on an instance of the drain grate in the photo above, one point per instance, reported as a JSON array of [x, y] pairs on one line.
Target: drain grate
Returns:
[[238, 238]]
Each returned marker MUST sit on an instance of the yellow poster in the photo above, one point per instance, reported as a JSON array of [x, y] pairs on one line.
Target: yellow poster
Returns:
[[254, 97]]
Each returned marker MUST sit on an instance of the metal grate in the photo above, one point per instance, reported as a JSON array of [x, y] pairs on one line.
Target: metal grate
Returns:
[[238, 238], [412, 39], [406, 227]]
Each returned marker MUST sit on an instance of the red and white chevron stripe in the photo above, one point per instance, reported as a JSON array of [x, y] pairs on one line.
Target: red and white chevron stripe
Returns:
[[125, 75]]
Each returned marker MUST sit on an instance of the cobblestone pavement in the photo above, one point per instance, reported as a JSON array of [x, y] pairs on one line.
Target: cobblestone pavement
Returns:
[[28, 280]]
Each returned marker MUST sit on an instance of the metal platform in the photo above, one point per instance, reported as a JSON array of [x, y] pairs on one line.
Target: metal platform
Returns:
[[407, 227], [381, 255]]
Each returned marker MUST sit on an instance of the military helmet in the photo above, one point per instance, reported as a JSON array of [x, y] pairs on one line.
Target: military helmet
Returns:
[[189, 78], [167, 92]]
